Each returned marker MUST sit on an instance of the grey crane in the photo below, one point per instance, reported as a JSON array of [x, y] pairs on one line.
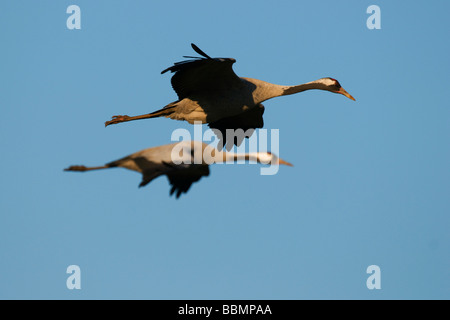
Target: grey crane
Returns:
[[183, 163], [210, 92]]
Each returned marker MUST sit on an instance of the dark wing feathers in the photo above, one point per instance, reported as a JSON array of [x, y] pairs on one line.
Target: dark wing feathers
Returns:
[[247, 121], [200, 52], [181, 178], [202, 74], [150, 170], [149, 175]]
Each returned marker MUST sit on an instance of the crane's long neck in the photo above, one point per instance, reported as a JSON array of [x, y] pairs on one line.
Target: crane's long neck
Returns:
[[318, 84], [263, 91]]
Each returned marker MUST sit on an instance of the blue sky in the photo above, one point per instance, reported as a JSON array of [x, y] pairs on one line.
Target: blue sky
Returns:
[[370, 183]]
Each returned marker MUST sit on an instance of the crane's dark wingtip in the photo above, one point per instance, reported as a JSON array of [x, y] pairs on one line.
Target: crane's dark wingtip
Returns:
[[200, 52]]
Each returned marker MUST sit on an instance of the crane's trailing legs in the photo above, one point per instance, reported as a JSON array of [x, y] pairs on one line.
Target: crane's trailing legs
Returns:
[[166, 111], [117, 119], [84, 168]]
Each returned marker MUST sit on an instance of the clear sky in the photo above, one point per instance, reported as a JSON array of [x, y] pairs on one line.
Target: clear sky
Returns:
[[370, 183]]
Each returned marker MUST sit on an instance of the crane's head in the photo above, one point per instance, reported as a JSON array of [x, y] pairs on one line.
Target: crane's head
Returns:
[[333, 85], [272, 159]]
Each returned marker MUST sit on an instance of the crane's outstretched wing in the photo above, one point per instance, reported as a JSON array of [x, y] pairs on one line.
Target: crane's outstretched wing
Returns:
[[247, 121], [202, 74], [181, 177]]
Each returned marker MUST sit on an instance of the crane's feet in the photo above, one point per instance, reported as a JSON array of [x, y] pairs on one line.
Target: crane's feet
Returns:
[[116, 119], [76, 168]]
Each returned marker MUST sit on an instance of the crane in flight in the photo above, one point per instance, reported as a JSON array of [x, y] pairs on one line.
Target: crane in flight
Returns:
[[210, 92], [183, 163]]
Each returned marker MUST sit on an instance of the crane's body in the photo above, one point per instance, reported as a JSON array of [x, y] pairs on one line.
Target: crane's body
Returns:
[[211, 106]]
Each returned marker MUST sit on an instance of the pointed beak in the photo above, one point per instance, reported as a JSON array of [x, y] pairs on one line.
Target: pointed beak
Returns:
[[345, 93], [281, 161]]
